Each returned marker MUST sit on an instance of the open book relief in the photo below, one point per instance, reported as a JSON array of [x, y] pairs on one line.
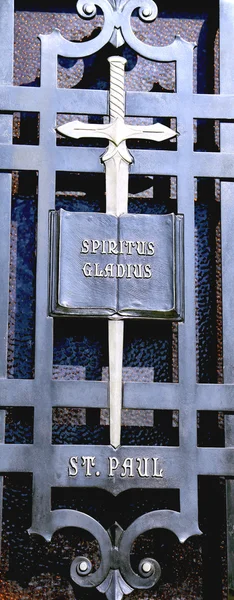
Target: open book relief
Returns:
[[126, 265]]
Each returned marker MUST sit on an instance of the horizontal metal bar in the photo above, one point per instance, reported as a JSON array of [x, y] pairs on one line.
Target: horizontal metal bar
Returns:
[[24, 392], [199, 106], [18, 458], [79, 394], [203, 106], [24, 458], [216, 461], [13, 99], [17, 392], [146, 162], [154, 396], [169, 396], [162, 396], [64, 159], [212, 396]]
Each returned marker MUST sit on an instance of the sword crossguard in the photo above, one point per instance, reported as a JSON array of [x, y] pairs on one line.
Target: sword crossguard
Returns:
[[117, 131]]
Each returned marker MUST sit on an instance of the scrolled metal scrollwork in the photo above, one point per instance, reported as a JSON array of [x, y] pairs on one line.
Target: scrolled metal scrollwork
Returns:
[[80, 566], [120, 578], [119, 9], [81, 574], [114, 576], [149, 568], [86, 10]]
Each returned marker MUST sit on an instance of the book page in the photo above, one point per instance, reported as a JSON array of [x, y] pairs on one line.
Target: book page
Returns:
[[146, 283], [87, 263]]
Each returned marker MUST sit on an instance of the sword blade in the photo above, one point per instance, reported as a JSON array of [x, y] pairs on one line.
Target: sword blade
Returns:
[[117, 204], [117, 173], [116, 336]]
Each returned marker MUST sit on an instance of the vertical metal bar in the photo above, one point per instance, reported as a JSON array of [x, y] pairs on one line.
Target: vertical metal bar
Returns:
[[227, 220], [187, 330], [2, 438], [6, 77], [43, 323]]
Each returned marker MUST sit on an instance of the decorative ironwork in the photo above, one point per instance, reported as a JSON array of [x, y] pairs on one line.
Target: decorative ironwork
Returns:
[[116, 13], [119, 577], [103, 466]]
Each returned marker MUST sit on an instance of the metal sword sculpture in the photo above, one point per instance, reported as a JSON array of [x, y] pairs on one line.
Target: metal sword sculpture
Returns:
[[117, 159]]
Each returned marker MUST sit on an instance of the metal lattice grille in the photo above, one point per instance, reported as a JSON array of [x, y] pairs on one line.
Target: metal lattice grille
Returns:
[[183, 464]]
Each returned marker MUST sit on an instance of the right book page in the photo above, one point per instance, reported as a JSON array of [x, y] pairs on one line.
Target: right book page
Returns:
[[148, 288]]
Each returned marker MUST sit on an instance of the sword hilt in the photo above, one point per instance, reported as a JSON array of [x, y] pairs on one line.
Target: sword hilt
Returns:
[[117, 93]]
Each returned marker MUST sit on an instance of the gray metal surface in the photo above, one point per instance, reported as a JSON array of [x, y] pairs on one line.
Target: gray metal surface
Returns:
[[170, 466], [227, 215], [6, 77]]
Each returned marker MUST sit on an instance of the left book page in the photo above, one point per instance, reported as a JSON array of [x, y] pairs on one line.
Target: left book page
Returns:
[[84, 263]]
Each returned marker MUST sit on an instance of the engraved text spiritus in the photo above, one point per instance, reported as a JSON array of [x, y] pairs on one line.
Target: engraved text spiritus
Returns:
[[120, 247]]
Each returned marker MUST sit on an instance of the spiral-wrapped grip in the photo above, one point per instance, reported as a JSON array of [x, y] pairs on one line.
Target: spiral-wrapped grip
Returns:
[[117, 93]]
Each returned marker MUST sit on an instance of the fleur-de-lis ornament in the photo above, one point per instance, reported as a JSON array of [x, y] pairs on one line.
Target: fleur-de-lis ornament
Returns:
[[118, 12]]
